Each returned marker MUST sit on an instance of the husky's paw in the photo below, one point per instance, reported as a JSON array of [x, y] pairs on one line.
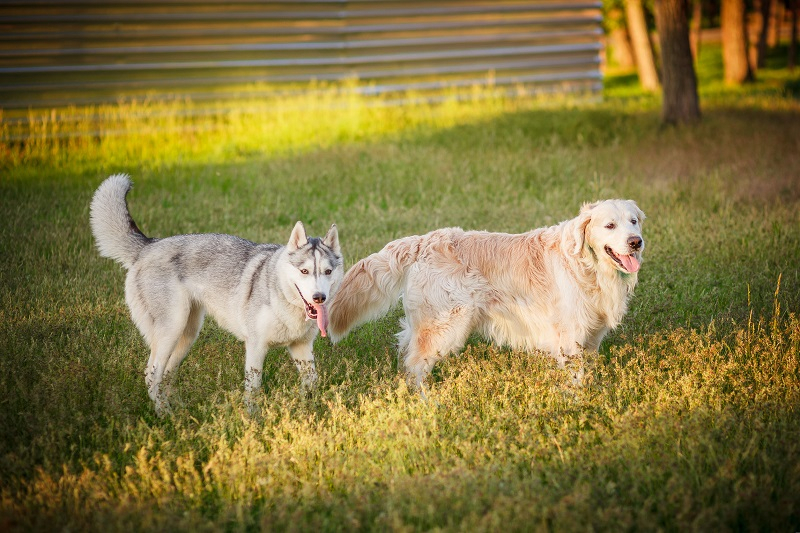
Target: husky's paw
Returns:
[[307, 388], [251, 403], [308, 376], [163, 408]]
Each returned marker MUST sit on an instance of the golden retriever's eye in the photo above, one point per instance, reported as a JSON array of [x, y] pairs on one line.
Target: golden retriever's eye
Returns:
[[611, 225], [634, 221], [304, 271]]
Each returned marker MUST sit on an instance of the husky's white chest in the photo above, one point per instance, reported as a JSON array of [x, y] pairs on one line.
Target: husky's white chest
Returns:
[[276, 327]]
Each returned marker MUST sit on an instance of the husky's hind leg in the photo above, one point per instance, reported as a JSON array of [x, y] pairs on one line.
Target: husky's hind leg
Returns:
[[193, 325], [163, 344], [162, 320]]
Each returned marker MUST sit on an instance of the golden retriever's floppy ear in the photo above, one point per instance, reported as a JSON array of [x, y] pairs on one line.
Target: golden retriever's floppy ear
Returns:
[[579, 231], [639, 213]]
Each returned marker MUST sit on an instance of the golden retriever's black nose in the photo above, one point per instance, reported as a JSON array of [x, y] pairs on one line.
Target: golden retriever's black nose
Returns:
[[318, 298], [634, 242]]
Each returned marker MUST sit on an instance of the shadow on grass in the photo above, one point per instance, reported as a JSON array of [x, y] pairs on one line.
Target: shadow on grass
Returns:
[[793, 88]]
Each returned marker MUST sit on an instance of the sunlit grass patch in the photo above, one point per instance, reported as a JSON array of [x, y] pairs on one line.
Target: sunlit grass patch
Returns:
[[177, 131]]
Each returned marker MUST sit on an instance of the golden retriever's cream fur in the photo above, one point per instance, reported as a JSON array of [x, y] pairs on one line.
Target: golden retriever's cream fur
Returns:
[[558, 289]]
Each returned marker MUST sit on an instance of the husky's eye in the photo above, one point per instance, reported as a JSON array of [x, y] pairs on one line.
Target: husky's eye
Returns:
[[328, 272], [611, 225], [304, 271]]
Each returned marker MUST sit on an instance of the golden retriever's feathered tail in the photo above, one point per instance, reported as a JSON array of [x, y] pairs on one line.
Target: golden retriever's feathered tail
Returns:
[[372, 286]]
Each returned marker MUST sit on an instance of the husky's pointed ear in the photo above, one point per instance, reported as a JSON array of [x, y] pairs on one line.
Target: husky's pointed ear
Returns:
[[582, 222], [298, 237], [331, 240]]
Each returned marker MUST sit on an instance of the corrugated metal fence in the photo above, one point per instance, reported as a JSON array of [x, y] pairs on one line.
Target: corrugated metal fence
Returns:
[[82, 52]]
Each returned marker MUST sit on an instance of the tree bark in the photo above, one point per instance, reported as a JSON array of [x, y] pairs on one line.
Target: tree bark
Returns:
[[623, 54], [642, 50], [696, 27], [774, 33], [761, 48], [734, 43], [681, 104], [793, 39]]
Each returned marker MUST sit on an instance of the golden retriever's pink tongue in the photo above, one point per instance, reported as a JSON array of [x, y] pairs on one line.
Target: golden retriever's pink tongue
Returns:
[[630, 263], [322, 319]]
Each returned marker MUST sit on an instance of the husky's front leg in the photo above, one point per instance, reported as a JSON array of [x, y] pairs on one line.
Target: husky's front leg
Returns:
[[303, 359], [253, 369]]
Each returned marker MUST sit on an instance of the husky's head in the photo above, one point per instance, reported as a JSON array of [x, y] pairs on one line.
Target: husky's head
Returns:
[[612, 229], [316, 271]]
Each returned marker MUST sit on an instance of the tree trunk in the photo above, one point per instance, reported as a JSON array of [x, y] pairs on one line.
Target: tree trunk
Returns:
[[793, 40], [681, 105], [642, 50], [734, 43], [761, 47], [696, 27], [774, 32], [620, 42]]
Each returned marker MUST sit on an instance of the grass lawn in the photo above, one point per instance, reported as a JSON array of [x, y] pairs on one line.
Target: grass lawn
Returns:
[[690, 418]]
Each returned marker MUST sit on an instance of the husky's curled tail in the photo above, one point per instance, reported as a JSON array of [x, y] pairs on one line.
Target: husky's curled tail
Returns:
[[372, 286], [116, 233]]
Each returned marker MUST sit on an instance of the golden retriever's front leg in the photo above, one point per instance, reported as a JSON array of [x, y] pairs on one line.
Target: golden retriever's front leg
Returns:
[[572, 359]]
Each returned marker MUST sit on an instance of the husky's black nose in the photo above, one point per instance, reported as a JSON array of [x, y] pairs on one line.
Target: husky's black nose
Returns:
[[318, 298], [634, 242]]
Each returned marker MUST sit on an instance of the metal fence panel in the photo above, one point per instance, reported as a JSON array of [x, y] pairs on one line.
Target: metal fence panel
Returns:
[[75, 52]]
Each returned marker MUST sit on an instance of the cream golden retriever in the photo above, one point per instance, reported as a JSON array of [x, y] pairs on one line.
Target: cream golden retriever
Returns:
[[558, 289]]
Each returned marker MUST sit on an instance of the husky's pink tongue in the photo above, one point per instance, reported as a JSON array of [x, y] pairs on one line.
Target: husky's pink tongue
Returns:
[[630, 263], [322, 319]]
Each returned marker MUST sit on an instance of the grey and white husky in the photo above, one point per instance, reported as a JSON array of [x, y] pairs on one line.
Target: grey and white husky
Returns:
[[265, 294]]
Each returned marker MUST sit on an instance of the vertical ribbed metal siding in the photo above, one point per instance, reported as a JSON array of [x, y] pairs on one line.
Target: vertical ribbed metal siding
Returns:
[[71, 52]]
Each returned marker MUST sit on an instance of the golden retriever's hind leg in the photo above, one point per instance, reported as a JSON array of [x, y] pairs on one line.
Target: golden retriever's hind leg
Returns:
[[403, 342], [418, 364], [431, 341]]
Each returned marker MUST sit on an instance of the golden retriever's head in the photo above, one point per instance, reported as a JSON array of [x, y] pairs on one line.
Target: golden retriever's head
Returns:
[[612, 230]]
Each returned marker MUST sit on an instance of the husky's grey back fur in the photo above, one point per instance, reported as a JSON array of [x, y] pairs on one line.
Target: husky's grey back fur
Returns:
[[262, 293]]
